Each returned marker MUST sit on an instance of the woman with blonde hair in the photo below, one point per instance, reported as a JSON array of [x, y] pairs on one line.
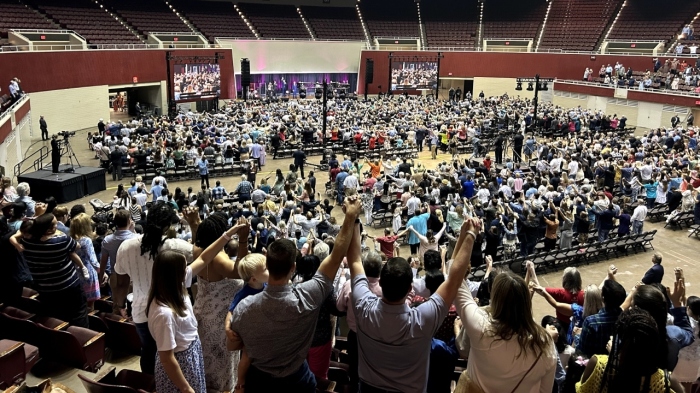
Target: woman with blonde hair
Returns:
[[509, 351], [81, 232]]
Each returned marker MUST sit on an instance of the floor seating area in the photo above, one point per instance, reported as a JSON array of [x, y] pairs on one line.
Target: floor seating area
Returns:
[[508, 19], [334, 22], [14, 15], [275, 21], [391, 18], [147, 17], [641, 20], [457, 28], [577, 24], [89, 20], [214, 19]]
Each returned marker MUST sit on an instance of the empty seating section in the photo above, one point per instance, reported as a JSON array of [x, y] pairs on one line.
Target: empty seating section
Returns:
[[214, 19], [334, 22], [14, 15], [577, 24], [456, 28], [148, 16], [275, 21], [643, 20], [508, 19], [87, 19], [391, 18]]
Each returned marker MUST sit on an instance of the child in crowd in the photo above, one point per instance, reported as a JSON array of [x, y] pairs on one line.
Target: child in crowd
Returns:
[[253, 270]]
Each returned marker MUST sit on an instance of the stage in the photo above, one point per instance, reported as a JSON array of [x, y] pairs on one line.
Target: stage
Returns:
[[65, 187]]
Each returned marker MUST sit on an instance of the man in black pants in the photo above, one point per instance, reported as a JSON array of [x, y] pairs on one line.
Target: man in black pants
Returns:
[[55, 154], [299, 159], [499, 148], [44, 129], [517, 147], [275, 143], [116, 157]]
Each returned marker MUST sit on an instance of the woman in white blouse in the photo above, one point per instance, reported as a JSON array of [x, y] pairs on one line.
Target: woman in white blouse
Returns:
[[509, 351], [171, 321]]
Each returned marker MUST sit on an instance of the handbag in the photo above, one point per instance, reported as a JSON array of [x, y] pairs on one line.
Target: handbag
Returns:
[[466, 385]]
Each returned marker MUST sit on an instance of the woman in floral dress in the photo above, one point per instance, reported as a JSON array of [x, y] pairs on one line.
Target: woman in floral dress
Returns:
[[81, 232]]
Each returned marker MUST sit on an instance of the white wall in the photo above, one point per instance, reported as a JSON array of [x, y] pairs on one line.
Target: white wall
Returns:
[[649, 114], [304, 57], [69, 109]]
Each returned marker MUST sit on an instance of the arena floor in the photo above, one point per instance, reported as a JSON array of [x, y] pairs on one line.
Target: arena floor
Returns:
[[678, 251]]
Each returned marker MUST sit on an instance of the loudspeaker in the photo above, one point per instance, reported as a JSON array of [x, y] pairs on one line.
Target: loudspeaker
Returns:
[[302, 94], [245, 73], [369, 71]]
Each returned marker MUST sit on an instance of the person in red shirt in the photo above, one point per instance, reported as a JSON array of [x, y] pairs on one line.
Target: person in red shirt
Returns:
[[387, 243], [333, 173], [570, 293], [487, 162], [358, 138], [372, 142]]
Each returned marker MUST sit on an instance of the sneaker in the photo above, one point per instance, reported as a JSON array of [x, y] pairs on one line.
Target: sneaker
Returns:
[[86, 273]]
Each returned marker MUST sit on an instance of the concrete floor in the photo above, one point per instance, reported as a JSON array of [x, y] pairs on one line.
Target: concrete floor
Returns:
[[678, 251]]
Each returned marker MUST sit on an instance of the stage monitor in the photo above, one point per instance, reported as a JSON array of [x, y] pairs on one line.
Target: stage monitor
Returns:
[[193, 82], [414, 75]]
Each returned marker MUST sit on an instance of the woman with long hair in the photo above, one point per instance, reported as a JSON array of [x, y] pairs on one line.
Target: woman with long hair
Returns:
[[629, 367], [509, 351], [81, 232], [171, 321], [217, 284], [430, 241], [278, 186]]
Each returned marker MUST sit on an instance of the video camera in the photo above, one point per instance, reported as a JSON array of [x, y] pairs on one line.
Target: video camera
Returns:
[[66, 134]]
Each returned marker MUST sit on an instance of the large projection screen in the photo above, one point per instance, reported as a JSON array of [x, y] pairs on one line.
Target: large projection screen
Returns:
[[296, 57]]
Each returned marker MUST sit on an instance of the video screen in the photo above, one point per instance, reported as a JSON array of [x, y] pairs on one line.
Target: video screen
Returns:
[[196, 81], [414, 75]]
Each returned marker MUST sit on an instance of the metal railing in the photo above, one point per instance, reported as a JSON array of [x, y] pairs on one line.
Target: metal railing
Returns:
[[635, 88], [38, 163], [8, 111]]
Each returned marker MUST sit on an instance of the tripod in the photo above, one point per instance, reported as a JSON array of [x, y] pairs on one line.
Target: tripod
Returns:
[[71, 155]]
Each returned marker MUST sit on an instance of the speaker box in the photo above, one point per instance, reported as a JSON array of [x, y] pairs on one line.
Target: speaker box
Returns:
[[369, 71], [245, 72]]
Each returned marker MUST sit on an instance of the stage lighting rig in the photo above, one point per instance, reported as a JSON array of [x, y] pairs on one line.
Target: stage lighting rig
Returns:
[[537, 84]]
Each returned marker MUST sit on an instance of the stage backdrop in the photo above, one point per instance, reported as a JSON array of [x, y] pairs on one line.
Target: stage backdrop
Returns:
[[260, 82], [287, 56]]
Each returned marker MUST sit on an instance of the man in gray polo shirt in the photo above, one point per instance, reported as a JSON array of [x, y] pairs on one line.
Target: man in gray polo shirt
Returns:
[[276, 326], [111, 243], [393, 339]]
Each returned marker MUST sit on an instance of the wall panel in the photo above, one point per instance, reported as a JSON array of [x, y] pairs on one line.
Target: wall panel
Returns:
[[43, 71], [69, 109]]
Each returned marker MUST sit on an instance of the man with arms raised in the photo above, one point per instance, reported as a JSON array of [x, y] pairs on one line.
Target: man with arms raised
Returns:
[[276, 326], [393, 339]]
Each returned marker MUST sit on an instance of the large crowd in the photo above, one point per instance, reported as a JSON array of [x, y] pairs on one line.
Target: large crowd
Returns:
[[276, 263]]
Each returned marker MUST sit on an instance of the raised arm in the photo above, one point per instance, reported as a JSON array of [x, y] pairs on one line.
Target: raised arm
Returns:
[[562, 308], [462, 261], [352, 208], [210, 252]]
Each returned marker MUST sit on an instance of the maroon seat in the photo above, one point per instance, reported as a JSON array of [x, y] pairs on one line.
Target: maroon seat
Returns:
[[16, 359], [127, 381], [122, 335], [78, 347]]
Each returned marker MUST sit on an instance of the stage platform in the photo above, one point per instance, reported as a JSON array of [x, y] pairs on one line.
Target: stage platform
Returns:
[[65, 187]]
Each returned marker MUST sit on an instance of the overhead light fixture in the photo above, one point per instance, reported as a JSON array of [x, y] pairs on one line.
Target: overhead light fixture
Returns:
[[529, 86], [544, 86], [519, 86]]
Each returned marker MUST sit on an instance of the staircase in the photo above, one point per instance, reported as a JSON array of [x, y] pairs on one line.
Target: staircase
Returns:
[[307, 24], [421, 28], [611, 24], [183, 18], [368, 36], [480, 29], [124, 23], [43, 15], [247, 22], [544, 25]]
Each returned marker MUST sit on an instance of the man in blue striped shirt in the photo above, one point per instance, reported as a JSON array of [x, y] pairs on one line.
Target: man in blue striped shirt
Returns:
[[598, 328]]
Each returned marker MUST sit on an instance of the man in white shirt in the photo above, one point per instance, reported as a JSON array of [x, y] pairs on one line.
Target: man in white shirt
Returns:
[[638, 217], [351, 181], [134, 263], [412, 204], [573, 168]]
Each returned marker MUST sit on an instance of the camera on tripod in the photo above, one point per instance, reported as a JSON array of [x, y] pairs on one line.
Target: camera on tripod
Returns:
[[66, 134]]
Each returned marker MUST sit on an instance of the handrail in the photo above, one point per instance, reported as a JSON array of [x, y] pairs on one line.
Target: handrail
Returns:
[[9, 109], [48, 31], [635, 89], [507, 39], [36, 165]]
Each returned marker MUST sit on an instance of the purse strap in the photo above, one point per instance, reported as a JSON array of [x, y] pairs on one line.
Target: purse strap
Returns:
[[667, 383], [527, 372]]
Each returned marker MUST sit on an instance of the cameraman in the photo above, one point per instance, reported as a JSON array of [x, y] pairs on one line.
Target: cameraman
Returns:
[[55, 154]]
